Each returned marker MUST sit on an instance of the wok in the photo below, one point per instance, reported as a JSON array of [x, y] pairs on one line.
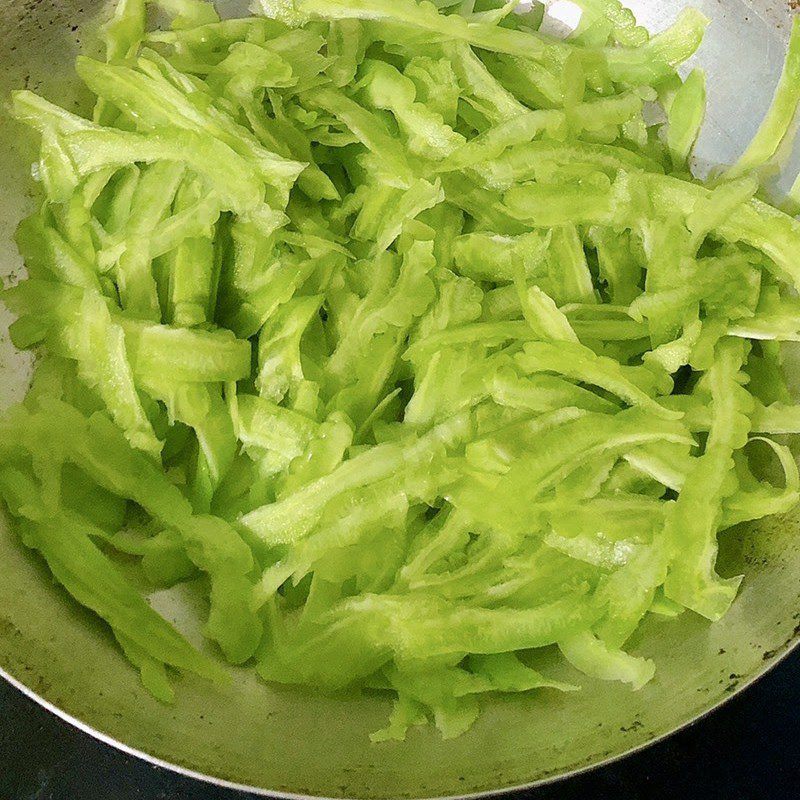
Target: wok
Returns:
[[294, 743]]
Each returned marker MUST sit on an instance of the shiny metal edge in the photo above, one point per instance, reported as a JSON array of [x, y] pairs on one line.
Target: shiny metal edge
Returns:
[[790, 647]]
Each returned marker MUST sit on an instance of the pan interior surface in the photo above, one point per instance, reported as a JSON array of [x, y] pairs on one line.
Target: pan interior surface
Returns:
[[295, 742]]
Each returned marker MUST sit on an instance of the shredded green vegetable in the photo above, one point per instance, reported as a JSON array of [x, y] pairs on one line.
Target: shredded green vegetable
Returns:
[[402, 331]]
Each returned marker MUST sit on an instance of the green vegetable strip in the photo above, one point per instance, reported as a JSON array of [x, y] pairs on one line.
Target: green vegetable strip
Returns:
[[100, 450], [369, 129], [685, 117], [280, 371], [656, 59], [92, 337], [485, 93], [592, 656], [200, 407], [567, 268], [602, 19], [194, 355], [440, 629], [293, 517], [238, 185], [126, 29], [274, 428], [134, 276], [192, 279], [762, 498], [692, 521], [48, 255], [154, 104], [585, 366], [426, 132], [89, 576], [779, 118]]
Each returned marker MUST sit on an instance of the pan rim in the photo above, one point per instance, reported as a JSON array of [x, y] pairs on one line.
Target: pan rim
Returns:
[[73, 721]]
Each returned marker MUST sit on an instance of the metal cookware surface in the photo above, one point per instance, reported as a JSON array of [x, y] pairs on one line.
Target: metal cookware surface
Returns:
[[295, 742]]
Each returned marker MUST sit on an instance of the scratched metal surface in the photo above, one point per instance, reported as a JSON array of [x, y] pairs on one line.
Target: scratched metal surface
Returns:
[[747, 750], [297, 743]]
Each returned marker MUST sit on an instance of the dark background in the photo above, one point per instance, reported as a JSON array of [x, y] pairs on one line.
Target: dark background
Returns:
[[747, 750]]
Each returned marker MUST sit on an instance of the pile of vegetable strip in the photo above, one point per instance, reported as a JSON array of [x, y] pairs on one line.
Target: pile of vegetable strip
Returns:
[[403, 331]]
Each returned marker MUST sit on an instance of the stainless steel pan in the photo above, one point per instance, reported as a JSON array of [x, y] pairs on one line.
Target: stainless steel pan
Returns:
[[296, 743]]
